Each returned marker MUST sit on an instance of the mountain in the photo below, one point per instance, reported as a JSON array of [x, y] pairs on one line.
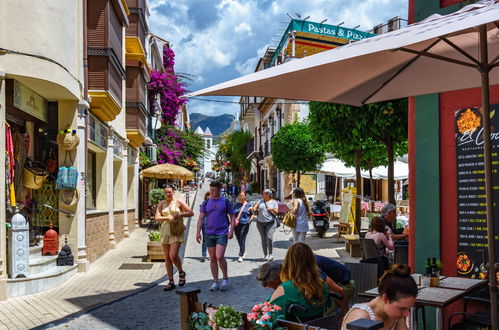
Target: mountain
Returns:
[[217, 124]]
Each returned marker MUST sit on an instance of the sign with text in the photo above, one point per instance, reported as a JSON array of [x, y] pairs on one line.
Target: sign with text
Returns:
[[348, 200], [30, 102], [472, 220]]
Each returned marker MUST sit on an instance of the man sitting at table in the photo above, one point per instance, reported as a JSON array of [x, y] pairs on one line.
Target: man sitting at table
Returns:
[[389, 214]]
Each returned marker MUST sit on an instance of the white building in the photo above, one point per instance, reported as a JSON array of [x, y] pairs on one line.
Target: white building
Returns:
[[206, 161]]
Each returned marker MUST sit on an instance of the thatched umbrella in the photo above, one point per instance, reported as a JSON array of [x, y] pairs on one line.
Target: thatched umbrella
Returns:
[[167, 171]]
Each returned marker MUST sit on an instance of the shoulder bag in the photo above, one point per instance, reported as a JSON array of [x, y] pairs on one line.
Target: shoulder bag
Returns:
[[278, 223]]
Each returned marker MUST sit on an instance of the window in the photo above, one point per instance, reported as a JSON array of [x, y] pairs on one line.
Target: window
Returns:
[[208, 146], [90, 186]]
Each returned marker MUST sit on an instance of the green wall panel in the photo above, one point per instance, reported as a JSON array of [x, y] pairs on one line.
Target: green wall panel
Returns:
[[427, 180]]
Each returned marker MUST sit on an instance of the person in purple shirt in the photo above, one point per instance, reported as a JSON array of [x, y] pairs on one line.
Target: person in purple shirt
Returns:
[[217, 232]]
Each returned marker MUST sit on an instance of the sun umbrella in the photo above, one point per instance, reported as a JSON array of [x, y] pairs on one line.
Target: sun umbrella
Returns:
[[167, 171], [442, 53]]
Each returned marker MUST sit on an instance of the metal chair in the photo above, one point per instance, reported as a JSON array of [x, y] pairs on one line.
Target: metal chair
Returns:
[[369, 248], [401, 253], [364, 276]]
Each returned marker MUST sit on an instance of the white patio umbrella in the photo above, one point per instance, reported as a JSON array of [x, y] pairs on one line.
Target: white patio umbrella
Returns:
[[442, 53]]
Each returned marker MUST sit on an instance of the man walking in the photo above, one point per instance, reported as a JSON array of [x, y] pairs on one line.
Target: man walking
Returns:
[[218, 231]]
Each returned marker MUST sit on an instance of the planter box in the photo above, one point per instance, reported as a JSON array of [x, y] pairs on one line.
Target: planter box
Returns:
[[155, 251]]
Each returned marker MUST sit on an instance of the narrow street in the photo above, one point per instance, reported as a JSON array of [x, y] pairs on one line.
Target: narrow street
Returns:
[[154, 308]]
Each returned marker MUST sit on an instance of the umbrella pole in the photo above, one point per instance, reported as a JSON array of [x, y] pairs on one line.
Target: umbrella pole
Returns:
[[489, 192]]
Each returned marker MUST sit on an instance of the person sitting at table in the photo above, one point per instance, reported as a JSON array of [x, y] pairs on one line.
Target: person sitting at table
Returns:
[[381, 235], [389, 215], [301, 285], [397, 295]]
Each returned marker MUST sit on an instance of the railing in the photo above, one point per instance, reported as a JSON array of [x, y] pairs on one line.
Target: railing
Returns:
[[97, 132]]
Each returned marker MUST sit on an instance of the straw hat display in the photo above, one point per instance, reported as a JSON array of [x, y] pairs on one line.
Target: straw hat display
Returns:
[[68, 200], [167, 171], [67, 139]]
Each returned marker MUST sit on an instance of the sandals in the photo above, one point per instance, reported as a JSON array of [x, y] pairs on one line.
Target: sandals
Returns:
[[170, 286], [181, 278]]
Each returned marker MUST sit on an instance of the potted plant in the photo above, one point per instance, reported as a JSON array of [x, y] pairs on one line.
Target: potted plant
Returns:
[[264, 316], [226, 317], [199, 321], [154, 248]]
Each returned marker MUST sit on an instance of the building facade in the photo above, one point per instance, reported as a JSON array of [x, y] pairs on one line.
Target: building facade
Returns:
[[89, 80]]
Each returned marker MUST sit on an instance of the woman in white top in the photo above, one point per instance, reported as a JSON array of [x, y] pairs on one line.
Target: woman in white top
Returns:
[[397, 295], [381, 235], [301, 211]]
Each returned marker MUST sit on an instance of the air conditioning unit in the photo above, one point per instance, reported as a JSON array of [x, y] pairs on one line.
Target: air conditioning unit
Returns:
[[394, 23], [152, 153]]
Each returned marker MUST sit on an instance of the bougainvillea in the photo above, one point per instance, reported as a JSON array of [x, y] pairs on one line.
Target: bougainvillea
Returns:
[[178, 147], [169, 88]]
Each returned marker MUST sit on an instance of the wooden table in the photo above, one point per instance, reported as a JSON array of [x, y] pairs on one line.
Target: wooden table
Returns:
[[449, 290], [352, 245]]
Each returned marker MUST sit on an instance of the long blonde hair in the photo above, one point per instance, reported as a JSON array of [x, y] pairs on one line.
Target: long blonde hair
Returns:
[[300, 267]]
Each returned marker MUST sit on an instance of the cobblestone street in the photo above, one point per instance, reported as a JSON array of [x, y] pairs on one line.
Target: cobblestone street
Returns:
[[156, 309]]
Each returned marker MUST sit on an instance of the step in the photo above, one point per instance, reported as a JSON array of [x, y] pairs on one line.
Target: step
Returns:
[[39, 264], [35, 283], [35, 250]]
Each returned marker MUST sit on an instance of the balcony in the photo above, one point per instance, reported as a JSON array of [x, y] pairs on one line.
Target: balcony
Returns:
[[136, 123], [105, 45], [250, 148], [138, 22], [266, 149]]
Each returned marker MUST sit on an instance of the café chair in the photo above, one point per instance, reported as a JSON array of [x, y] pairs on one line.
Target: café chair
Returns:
[[365, 276]]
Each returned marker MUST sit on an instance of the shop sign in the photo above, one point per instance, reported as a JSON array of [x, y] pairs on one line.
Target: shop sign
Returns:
[[308, 182], [30, 102], [471, 215], [331, 30]]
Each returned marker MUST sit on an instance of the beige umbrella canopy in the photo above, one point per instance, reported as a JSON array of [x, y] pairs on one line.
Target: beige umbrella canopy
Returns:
[[167, 171]]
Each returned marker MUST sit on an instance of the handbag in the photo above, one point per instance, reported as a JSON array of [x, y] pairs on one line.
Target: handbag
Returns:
[[68, 200], [67, 177], [278, 223], [34, 174], [177, 227], [289, 219]]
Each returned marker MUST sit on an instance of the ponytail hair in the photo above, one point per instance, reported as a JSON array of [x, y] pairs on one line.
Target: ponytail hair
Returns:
[[398, 283]]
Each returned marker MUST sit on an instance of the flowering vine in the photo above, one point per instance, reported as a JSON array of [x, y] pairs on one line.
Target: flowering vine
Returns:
[[169, 88]]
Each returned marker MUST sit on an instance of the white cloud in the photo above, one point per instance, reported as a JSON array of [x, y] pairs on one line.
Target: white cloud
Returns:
[[218, 40]]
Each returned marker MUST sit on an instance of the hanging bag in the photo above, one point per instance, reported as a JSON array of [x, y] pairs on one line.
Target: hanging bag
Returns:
[[34, 174], [289, 219], [68, 200], [67, 177], [67, 139]]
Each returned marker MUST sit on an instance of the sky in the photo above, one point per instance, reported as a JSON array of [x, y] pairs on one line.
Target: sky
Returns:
[[219, 40]]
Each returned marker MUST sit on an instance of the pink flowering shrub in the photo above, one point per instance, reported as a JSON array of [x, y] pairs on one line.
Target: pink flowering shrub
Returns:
[[263, 316]]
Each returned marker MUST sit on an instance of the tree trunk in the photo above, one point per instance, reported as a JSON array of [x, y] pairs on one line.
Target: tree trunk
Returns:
[[298, 181], [371, 182], [357, 184], [391, 190]]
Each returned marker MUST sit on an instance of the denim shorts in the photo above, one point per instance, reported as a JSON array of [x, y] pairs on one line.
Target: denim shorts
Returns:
[[214, 240]]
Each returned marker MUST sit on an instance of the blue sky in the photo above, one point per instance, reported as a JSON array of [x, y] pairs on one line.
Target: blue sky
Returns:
[[218, 40]]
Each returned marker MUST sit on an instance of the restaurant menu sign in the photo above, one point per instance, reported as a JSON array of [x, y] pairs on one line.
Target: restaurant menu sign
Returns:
[[472, 223]]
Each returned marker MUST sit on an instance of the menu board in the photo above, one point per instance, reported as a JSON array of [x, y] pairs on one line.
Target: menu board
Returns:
[[471, 209]]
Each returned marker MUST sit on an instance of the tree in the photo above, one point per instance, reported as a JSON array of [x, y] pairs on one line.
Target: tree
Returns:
[[385, 122], [342, 129], [232, 152], [295, 151], [389, 125]]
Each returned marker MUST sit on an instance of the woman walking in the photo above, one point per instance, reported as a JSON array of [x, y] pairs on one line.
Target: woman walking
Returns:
[[203, 229], [243, 220], [301, 211], [170, 212], [266, 222]]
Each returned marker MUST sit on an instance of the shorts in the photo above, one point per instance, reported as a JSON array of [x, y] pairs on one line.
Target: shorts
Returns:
[[214, 240]]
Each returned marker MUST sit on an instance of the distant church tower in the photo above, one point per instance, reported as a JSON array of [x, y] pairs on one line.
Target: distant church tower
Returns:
[[208, 138], [209, 156]]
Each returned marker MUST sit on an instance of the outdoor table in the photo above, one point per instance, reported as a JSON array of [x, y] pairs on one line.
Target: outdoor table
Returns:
[[449, 290], [352, 245]]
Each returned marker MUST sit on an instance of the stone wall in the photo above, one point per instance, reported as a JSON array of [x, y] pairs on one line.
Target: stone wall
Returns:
[[131, 221], [97, 235], [118, 226]]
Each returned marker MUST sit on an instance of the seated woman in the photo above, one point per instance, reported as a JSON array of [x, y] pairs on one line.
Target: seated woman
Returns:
[[301, 285], [381, 236], [397, 294]]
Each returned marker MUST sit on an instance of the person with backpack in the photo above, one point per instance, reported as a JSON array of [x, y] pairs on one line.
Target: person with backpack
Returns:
[[218, 230]]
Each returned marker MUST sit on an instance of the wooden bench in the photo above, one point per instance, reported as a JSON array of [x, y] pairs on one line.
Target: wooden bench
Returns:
[[352, 245]]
